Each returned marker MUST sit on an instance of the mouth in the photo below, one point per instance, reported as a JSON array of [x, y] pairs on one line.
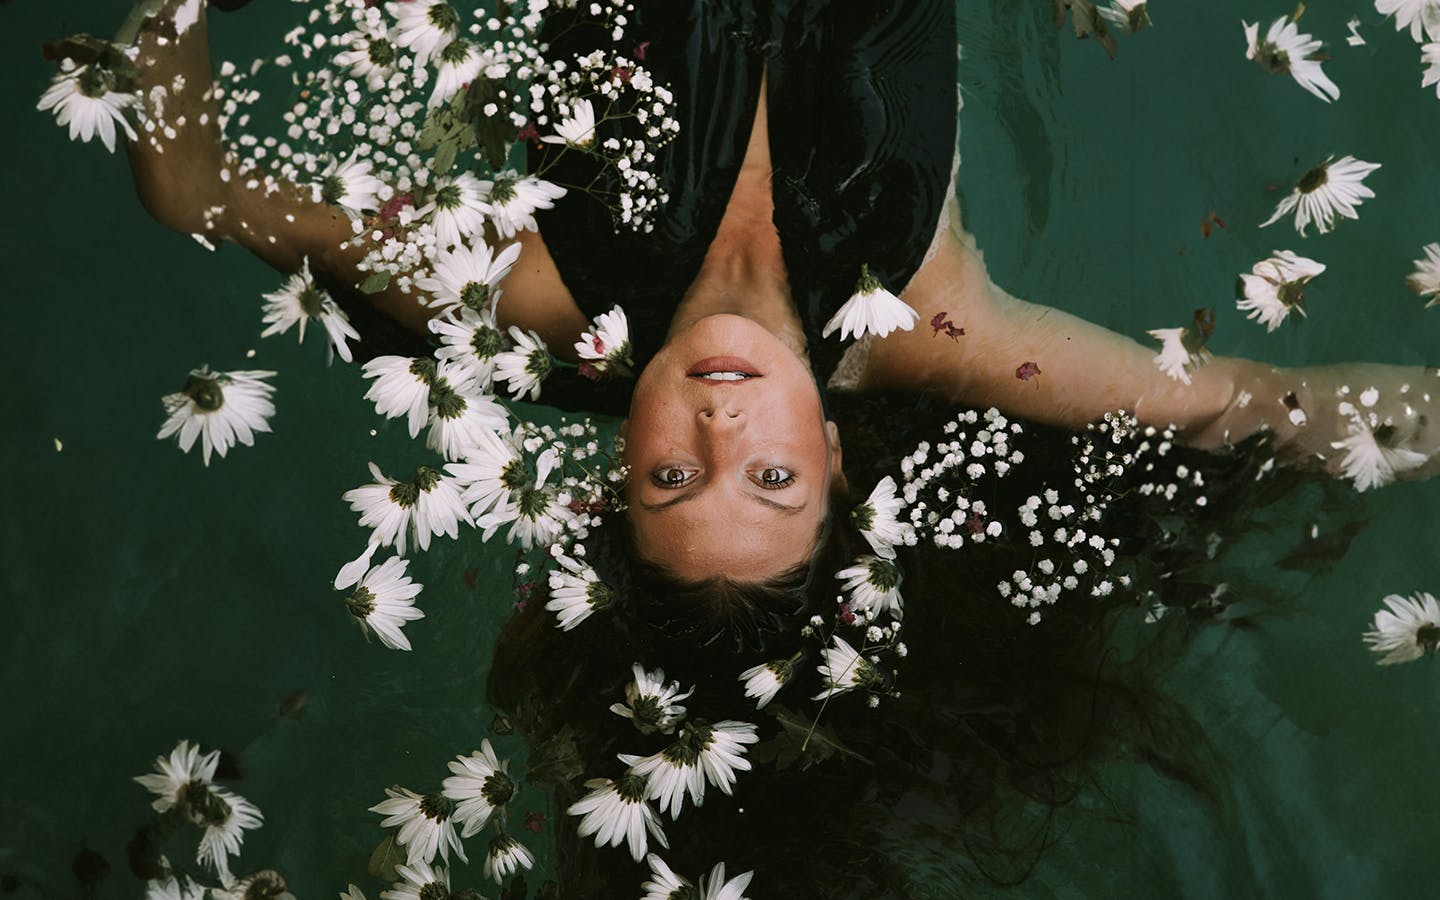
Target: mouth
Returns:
[[717, 369]]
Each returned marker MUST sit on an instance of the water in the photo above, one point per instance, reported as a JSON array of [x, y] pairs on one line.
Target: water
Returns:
[[150, 599]]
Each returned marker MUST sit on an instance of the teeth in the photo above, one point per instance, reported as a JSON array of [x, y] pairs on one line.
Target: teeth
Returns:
[[724, 376]]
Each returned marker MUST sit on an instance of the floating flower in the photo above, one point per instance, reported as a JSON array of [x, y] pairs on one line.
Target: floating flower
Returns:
[[1408, 630], [457, 64], [1182, 350], [701, 753], [350, 185], [421, 882], [461, 417], [1331, 188], [873, 585], [506, 856], [577, 129], [878, 521], [764, 681], [424, 823], [513, 200], [424, 27], [370, 57], [870, 310], [576, 592], [186, 770], [1370, 459], [220, 408], [469, 276], [1430, 59], [1276, 286], [715, 887], [384, 600], [524, 367], [650, 703], [616, 811], [493, 468], [844, 669], [1422, 17], [1284, 49], [1127, 15], [480, 786], [664, 883], [458, 210], [298, 301], [471, 339], [427, 504], [606, 346], [402, 388], [225, 817], [86, 100], [1425, 280]]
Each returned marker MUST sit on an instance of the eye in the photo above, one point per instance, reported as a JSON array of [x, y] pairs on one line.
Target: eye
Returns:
[[774, 478], [671, 477]]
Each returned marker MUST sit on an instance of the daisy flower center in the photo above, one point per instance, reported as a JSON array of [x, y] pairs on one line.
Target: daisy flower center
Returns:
[[448, 197], [863, 517], [204, 806], [435, 806], [205, 393], [333, 190], [96, 82], [448, 403], [883, 576], [434, 891], [1428, 637], [694, 740], [514, 476], [423, 368], [1275, 60], [497, 789], [361, 602], [381, 52], [312, 302], [868, 284], [648, 710], [631, 788], [599, 594], [1291, 293], [683, 892], [533, 503], [444, 17], [455, 52], [538, 363], [486, 342], [1314, 179], [407, 493], [475, 294], [503, 191]]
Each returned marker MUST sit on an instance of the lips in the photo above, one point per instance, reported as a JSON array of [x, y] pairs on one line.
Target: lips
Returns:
[[733, 367]]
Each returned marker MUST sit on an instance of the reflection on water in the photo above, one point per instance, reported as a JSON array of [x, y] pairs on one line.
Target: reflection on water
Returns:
[[1243, 742]]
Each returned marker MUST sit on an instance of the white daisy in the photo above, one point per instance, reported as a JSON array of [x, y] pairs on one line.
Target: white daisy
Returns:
[[715, 887], [1422, 17], [664, 883], [421, 882], [1276, 286], [456, 65], [459, 209], [764, 681], [86, 100], [873, 585], [535, 513], [1182, 350], [576, 128], [1285, 49], [505, 857], [870, 310], [525, 366], [266, 883], [424, 27], [1430, 58], [576, 592], [220, 408], [1127, 15], [384, 600], [878, 521], [1408, 630], [461, 417], [298, 301], [616, 811], [471, 339], [1333, 187], [402, 388], [1370, 461], [844, 669], [186, 769], [175, 889], [493, 468], [606, 346], [651, 704], [225, 818], [424, 823], [370, 57], [701, 753], [397, 510], [480, 785], [469, 275], [513, 200], [1425, 280], [350, 185]]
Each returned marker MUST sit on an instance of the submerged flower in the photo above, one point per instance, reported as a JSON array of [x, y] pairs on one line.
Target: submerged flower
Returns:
[[471, 339], [702, 753], [576, 592], [469, 275], [764, 681], [384, 600], [870, 310], [513, 200], [873, 585], [458, 209], [506, 856], [350, 185], [1422, 17], [1371, 460], [877, 520], [1408, 630], [607, 344], [1425, 280], [225, 818], [220, 408], [298, 301], [523, 368], [424, 822], [480, 786], [185, 770], [651, 704], [1127, 15], [616, 811], [844, 669], [1276, 286], [86, 100], [402, 388], [576, 129], [424, 27], [1285, 49], [1182, 350], [1331, 188], [420, 882], [427, 504]]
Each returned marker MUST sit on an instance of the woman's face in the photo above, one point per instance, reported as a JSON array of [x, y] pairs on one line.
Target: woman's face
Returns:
[[730, 457]]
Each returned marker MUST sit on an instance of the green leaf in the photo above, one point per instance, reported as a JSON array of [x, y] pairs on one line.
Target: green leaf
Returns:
[[385, 857], [375, 282], [490, 135], [800, 741], [556, 760]]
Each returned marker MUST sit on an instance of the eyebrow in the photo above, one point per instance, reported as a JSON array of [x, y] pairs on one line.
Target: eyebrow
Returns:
[[691, 495]]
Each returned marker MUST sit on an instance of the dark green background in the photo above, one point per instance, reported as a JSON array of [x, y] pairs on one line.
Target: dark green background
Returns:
[[147, 598]]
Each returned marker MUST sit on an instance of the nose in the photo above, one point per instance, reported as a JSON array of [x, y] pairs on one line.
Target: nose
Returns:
[[722, 418]]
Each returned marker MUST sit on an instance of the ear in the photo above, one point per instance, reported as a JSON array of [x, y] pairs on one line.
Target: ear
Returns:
[[837, 458]]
